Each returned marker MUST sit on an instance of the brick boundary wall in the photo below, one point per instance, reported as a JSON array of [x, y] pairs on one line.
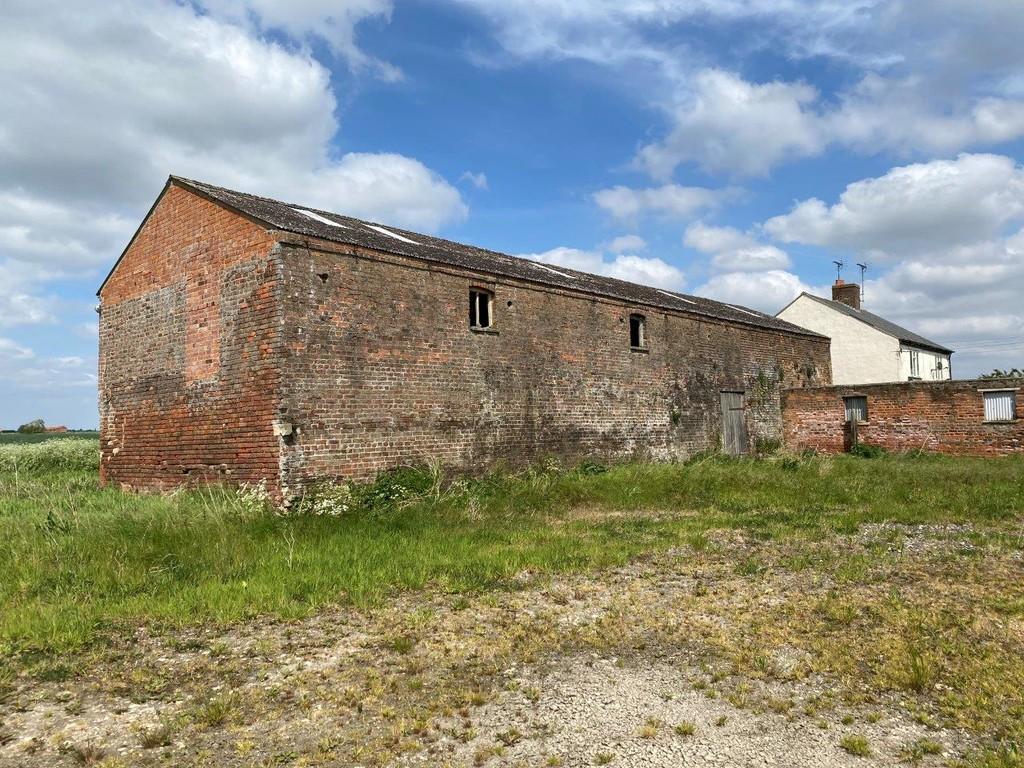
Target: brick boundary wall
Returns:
[[945, 417]]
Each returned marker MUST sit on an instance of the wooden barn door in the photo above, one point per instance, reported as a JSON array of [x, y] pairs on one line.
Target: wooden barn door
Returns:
[[734, 425]]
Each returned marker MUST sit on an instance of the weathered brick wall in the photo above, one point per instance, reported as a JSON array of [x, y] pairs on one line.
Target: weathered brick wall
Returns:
[[947, 416], [382, 370], [189, 350]]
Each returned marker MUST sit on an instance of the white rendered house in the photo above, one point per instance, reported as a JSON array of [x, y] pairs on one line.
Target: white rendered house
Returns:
[[866, 348]]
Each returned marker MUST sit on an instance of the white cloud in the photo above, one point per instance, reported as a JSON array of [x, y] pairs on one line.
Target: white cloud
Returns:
[[101, 102], [724, 123], [670, 200], [329, 20], [897, 114], [752, 258], [636, 269], [11, 350], [913, 208], [384, 187], [735, 251], [47, 376], [614, 32], [59, 235], [26, 371], [767, 291], [20, 299], [733, 125], [478, 180], [708, 239], [626, 243], [925, 85]]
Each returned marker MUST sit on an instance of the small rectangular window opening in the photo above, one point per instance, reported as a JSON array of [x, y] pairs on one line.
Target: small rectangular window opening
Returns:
[[1000, 405], [479, 308], [856, 409], [637, 332]]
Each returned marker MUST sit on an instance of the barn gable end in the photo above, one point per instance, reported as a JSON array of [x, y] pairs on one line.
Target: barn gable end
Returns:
[[188, 348]]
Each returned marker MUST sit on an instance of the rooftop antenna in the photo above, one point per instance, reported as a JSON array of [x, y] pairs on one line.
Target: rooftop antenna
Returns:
[[863, 269], [839, 270]]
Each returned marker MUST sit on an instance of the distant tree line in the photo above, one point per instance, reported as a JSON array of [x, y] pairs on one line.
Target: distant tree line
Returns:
[[32, 427], [1012, 373]]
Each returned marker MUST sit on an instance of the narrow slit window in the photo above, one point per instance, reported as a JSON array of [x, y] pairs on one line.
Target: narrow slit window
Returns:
[[479, 308], [637, 332], [856, 409]]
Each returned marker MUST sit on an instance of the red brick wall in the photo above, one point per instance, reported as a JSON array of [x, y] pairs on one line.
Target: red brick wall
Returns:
[[383, 370], [948, 417], [189, 350], [213, 333]]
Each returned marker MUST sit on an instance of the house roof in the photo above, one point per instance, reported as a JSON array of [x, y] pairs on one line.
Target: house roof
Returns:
[[313, 222], [879, 324]]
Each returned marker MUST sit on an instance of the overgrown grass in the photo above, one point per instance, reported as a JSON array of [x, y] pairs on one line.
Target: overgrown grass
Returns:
[[77, 559], [40, 456]]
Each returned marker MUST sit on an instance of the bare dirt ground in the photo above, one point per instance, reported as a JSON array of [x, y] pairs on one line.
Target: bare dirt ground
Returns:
[[730, 653]]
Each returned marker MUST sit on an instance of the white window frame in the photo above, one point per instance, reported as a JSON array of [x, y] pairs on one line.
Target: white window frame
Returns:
[[915, 364], [989, 395]]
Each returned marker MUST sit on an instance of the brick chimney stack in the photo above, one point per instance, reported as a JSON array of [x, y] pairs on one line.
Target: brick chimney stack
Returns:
[[846, 293]]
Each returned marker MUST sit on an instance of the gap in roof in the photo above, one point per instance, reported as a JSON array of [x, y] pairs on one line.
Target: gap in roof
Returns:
[[318, 217]]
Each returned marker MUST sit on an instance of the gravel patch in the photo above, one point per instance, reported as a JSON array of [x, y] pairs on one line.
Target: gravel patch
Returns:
[[627, 715]]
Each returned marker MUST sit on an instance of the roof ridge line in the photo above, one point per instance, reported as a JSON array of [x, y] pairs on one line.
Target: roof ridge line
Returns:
[[282, 215]]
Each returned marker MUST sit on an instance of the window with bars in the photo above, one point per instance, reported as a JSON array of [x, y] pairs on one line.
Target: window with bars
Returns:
[[856, 409], [479, 308], [1000, 405]]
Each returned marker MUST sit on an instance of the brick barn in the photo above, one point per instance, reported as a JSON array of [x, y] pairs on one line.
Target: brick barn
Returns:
[[243, 339]]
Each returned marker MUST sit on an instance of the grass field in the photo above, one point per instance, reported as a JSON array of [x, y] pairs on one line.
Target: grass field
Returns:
[[82, 565], [78, 557]]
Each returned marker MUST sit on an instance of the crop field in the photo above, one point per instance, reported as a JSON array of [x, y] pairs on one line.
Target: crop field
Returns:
[[784, 610], [17, 438]]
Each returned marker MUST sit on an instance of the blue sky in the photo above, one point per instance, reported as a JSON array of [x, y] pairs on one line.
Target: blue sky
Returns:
[[732, 148]]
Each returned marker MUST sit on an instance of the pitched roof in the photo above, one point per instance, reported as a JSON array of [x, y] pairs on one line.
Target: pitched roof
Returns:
[[313, 222], [880, 324]]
